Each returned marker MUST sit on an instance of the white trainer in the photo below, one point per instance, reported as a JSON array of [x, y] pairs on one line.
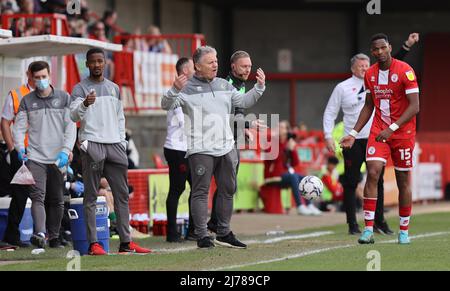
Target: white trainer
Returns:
[[314, 210], [303, 210]]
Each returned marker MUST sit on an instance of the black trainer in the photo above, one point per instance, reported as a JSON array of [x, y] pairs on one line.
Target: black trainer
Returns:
[[205, 243], [382, 228], [55, 243], [353, 228], [38, 241], [230, 241]]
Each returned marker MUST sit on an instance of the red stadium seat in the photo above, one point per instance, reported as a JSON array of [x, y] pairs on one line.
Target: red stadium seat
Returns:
[[271, 196]]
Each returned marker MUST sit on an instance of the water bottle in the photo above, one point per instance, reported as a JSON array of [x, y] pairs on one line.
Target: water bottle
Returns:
[[38, 251], [278, 231]]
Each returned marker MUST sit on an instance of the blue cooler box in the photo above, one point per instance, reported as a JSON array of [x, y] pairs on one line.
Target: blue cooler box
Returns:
[[78, 226], [26, 225]]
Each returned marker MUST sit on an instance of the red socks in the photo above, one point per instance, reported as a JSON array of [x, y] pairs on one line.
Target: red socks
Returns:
[[370, 205]]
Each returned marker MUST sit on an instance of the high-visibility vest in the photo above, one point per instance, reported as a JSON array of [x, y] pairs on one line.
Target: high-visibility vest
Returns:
[[17, 95], [242, 90]]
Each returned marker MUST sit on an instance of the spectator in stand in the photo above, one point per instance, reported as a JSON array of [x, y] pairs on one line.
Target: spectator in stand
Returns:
[[78, 22], [109, 20], [54, 6], [27, 7], [281, 170], [139, 44], [128, 42], [79, 28], [332, 191], [9, 5], [156, 44], [97, 32]]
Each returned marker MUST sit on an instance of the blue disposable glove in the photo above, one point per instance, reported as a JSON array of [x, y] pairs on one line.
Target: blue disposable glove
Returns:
[[78, 188], [62, 160], [22, 155], [69, 170]]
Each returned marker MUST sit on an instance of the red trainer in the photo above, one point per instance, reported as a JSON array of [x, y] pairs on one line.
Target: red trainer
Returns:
[[97, 250], [133, 247]]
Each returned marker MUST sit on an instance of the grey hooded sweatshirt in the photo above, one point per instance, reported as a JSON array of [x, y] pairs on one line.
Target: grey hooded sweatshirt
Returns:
[[48, 124], [208, 106], [103, 121]]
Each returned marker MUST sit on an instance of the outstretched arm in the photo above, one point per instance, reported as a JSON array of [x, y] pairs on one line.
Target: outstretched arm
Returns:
[[413, 38]]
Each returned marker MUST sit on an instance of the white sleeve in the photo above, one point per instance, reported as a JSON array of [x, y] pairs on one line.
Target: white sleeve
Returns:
[[180, 116], [332, 111], [8, 109]]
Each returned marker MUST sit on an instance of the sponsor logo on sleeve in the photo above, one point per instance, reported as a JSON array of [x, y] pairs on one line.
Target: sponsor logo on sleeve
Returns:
[[410, 76]]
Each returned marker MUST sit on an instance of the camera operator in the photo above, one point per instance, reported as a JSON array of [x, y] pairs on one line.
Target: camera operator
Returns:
[[282, 170]]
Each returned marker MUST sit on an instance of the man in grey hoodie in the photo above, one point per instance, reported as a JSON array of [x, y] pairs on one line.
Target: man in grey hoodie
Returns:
[[97, 105], [45, 115], [208, 102]]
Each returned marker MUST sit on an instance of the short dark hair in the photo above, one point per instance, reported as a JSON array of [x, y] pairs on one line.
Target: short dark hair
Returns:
[[94, 51], [180, 64], [379, 36], [333, 160], [108, 13], [39, 66]]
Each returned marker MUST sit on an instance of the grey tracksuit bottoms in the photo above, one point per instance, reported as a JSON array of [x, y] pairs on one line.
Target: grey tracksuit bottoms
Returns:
[[203, 168], [48, 188], [109, 161]]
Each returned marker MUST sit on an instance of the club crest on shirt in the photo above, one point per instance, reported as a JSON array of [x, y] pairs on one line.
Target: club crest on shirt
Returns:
[[371, 151], [394, 78], [410, 76], [56, 103], [372, 79]]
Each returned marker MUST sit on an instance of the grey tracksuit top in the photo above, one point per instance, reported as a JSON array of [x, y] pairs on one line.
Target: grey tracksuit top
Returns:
[[207, 107], [47, 122], [103, 121]]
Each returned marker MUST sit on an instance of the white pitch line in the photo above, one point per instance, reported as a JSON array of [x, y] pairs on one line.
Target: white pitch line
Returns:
[[250, 242], [317, 251], [300, 236], [418, 236]]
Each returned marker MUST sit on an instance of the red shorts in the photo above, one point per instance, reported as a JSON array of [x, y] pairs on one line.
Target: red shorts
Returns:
[[400, 150]]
